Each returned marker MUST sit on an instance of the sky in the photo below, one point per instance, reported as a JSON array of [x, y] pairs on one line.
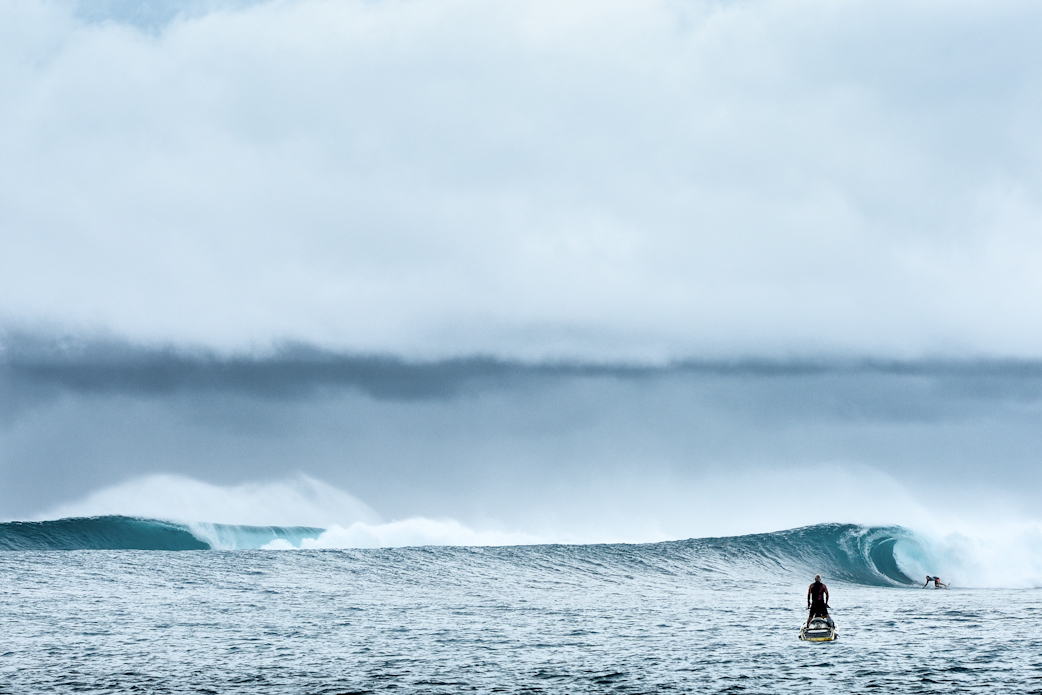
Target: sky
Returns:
[[609, 270]]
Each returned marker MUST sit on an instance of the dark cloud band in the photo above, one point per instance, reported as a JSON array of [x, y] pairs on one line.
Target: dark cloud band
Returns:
[[298, 370]]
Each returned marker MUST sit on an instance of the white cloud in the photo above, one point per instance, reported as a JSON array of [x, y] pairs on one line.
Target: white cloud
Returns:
[[600, 179]]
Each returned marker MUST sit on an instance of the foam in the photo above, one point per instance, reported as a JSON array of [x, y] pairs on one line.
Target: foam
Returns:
[[416, 531]]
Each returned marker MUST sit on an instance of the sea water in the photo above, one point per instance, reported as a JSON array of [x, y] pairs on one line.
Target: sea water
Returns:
[[711, 615]]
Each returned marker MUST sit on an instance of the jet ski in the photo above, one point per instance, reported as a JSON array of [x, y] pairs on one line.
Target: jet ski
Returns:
[[819, 630]]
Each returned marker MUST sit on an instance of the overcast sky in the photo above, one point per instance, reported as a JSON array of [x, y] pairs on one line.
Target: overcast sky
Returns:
[[606, 180], [512, 262]]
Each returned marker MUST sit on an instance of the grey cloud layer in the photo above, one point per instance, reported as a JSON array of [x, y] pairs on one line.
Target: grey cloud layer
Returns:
[[299, 371], [606, 181]]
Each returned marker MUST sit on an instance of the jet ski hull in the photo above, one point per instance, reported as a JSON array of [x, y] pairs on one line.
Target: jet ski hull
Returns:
[[819, 631]]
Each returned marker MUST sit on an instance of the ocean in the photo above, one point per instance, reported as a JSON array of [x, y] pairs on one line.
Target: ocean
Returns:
[[703, 615]]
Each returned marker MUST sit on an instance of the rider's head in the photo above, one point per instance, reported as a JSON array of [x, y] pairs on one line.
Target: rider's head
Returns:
[[817, 577]]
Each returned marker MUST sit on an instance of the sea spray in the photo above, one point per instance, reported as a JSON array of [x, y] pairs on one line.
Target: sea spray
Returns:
[[237, 537]]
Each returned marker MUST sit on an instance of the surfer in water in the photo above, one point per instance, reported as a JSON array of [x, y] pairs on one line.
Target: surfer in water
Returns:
[[936, 582], [818, 600]]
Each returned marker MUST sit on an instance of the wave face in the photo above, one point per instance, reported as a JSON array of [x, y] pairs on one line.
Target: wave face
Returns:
[[128, 533]]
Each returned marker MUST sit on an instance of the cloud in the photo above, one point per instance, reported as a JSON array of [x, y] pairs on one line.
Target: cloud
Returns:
[[33, 365], [593, 180], [534, 262]]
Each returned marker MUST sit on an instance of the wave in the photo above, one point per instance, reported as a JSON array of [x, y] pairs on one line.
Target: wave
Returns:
[[130, 533], [872, 555], [844, 552]]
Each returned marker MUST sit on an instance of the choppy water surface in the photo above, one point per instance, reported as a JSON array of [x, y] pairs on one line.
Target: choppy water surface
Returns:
[[677, 617]]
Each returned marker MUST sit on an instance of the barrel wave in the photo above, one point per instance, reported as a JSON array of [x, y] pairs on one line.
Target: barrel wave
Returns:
[[128, 533], [843, 552]]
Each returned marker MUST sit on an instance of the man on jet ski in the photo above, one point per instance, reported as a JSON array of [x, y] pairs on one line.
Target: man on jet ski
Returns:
[[936, 582], [818, 600]]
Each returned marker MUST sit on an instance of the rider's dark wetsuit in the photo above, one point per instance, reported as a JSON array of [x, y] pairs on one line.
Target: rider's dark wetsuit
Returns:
[[817, 600]]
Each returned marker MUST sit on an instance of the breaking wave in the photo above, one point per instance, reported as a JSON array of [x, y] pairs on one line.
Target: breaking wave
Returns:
[[844, 552], [128, 533]]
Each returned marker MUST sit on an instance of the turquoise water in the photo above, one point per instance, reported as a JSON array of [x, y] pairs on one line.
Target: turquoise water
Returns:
[[713, 615]]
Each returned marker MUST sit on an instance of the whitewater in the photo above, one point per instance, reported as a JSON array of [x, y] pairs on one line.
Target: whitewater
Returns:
[[84, 612]]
